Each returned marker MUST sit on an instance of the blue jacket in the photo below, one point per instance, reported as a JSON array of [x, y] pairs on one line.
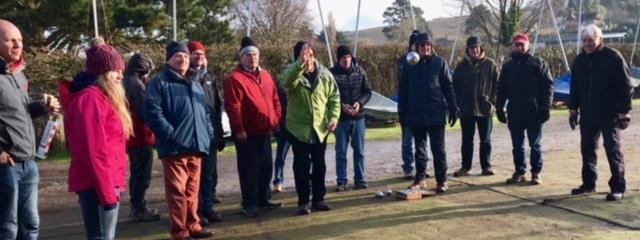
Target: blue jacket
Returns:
[[426, 93], [176, 110]]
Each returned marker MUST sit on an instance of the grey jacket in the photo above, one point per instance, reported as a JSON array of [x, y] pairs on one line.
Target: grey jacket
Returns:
[[17, 135]]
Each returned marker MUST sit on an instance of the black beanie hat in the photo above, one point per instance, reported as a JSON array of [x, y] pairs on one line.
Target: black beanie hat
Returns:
[[175, 47], [247, 45], [473, 41], [413, 37], [297, 48], [343, 50], [423, 37]]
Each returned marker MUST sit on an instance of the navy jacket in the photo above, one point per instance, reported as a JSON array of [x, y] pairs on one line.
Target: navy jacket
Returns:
[[176, 111], [354, 86], [426, 93]]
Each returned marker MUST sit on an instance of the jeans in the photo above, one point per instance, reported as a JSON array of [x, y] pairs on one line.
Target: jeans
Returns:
[[19, 201], [254, 169], [589, 135], [141, 162], [407, 149], [208, 178], [435, 135], [98, 222], [468, 125], [533, 127], [282, 150], [305, 157], [353, 130]]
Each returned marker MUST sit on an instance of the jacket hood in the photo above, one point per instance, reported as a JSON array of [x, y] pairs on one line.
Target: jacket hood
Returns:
[[140, 63], [81, 81]]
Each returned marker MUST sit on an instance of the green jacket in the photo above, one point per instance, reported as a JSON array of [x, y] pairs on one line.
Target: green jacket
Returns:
[[476, 87], [310, 109]]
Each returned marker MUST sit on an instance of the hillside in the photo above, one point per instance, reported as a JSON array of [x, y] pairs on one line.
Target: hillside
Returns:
[[441, 28]]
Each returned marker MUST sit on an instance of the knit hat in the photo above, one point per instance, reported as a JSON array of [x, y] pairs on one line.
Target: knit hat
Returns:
[[520, 38], [413, 37], [473, 41], [140, 63], [175, 47], [247, 45], [343, 50], [102, 58], [196, 45], [297, 48], [423, 37]]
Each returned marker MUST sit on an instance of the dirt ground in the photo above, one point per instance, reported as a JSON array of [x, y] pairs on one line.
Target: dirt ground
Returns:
[[475, 207]]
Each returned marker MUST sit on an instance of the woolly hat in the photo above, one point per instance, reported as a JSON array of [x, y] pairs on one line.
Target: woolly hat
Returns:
[[196, 45], [140, 63], [102, 58], [247, 45], [343, 50], [297, 48], [175, 47], [413, 37], [520, 38], [473, 41], [423, 37]]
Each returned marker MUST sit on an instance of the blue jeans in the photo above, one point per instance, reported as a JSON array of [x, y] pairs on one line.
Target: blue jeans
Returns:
[[533, 128], [140, 162], [407, 149], [208, 179], [19, 201], [98, 222], [282, 150], [353, 130]]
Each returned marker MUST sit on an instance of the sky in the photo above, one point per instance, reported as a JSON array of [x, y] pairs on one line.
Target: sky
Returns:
[[345, 12]]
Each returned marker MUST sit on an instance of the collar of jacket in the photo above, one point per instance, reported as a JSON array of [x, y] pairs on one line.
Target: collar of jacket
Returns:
[[596, 52], [12, 68], [472, 62], [520, 57], [173, 75]]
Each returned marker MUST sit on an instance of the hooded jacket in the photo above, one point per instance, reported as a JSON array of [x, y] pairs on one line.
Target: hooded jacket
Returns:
[[214, 101], [97, 142], [17, 135], [354, 87], [176, 111], [476, 86], [134, 87], [600, 85]]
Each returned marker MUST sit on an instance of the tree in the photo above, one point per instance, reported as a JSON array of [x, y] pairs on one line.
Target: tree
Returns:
[[275, 21], [399, 22]]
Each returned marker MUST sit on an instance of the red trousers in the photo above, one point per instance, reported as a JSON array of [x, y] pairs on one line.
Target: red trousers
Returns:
[[181, 185]]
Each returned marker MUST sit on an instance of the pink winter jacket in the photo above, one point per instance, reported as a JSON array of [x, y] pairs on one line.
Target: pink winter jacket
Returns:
[[97, 143]]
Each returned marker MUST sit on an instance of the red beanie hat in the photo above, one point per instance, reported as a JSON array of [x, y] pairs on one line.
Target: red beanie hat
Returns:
[[196, 45], [103, 58]]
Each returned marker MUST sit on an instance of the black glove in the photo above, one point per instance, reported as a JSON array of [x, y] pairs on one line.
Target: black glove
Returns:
[[501, 116], [544, 116], [221, 145], [573, 121], [623, 122], [453, 117]]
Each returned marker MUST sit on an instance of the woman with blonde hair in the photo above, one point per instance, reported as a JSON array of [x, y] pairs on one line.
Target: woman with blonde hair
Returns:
[[97, 124]]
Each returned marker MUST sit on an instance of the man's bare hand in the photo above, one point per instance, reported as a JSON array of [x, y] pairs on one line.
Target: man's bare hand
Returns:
[[5, 158], [51, 103]]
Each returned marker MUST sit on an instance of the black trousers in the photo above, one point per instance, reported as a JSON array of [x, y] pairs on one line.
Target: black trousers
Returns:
[[255, 167], [485, 126], [306, 156], [589, 135], [435, 135]]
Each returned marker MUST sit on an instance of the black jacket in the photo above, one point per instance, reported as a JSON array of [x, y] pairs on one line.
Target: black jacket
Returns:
[[526, 83], [600, 85], [426, 92], [354, 86], [214, 101], [476, 87]]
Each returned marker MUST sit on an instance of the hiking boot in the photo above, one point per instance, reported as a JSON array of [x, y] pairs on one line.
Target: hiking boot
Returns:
[[361, 185], [461, 173], [408, 175], [304, 209], [417, 185], [614, 196], [277, 188], [442, 187], [250, 211], [209, 217], [270, 204], [321, 206], [516, 178], [536, 179], [487, 172], [582, 190], [203, 233], [341, 187], [145, 215]]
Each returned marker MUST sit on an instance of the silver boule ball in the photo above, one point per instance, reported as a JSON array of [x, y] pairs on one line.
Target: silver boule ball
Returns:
[[379, 195], [413, 58]]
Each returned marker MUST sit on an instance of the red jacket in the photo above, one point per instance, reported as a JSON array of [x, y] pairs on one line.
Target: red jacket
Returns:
[[97, 143], [251, 101]]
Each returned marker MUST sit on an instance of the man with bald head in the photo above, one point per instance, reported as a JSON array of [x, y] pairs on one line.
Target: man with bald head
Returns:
[[18, 170]]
